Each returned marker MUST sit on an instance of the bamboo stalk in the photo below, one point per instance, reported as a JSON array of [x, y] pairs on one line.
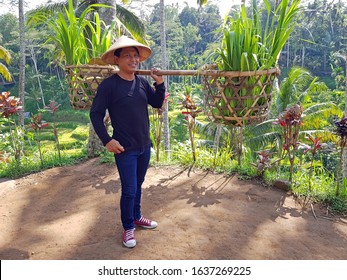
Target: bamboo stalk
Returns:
[[214, 73]]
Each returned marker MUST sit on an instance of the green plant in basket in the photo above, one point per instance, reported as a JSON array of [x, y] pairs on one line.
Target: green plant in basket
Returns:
[[77, 38], [248, 44]]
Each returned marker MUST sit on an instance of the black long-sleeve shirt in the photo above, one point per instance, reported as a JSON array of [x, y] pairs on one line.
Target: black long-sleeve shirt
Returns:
[[128, 114]]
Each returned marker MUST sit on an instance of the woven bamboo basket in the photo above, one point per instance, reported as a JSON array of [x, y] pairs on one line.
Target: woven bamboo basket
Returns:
[[231, 97], [83, 81], [238, 98]]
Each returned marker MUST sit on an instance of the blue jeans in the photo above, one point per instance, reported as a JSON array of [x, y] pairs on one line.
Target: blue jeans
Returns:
[[132, 167]]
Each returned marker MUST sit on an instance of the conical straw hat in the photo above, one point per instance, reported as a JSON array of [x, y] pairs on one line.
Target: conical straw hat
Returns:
[[124, 42]]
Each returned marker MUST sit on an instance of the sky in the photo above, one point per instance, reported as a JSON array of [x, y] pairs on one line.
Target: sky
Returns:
[[224, 5]]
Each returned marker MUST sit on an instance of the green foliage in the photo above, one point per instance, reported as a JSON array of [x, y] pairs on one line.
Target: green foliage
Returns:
[[31, 164], [337, 204], [68, 117], [107, 157], [77, 38], [179, 131], [247, 45], [319, 187], [43, 154]]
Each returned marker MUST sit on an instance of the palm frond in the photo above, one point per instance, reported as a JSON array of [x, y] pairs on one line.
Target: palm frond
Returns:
[[298, 81], [270, 140], [5, 72], [325, 109], [131, 23], [5, 55], [323, 134]]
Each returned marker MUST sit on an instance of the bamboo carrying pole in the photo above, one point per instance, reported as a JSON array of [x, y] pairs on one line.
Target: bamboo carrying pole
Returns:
[[83, 81], [214, 73]]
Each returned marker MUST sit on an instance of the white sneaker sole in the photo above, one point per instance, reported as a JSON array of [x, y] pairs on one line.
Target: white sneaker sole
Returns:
[[130, 244], [147, 227]]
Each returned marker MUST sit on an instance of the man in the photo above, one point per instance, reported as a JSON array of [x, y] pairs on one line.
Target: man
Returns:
[[126, 97]]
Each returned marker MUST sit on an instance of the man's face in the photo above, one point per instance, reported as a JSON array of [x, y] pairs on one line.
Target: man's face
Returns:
[[128, 59]]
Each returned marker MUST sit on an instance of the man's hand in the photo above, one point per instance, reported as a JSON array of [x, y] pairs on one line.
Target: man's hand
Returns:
[[158, 79], [114, 147]]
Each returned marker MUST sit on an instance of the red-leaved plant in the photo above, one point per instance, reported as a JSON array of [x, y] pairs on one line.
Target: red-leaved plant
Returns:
[[10, 106], [264, 162], [290, 121], [191, 112]]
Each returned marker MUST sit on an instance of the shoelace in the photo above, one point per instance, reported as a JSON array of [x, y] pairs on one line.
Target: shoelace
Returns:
[[129, 234], [145, 221]]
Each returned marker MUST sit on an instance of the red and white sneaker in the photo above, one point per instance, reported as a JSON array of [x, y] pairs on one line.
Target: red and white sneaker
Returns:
[[146, 223], [129, 238]]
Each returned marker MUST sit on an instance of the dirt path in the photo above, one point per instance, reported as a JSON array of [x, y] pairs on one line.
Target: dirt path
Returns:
[[73, 213]]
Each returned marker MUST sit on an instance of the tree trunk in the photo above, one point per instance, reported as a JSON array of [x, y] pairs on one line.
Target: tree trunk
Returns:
[[95, 146], [344, 154], [217, 137], [21, 83], [166, 132], [33, 58]]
